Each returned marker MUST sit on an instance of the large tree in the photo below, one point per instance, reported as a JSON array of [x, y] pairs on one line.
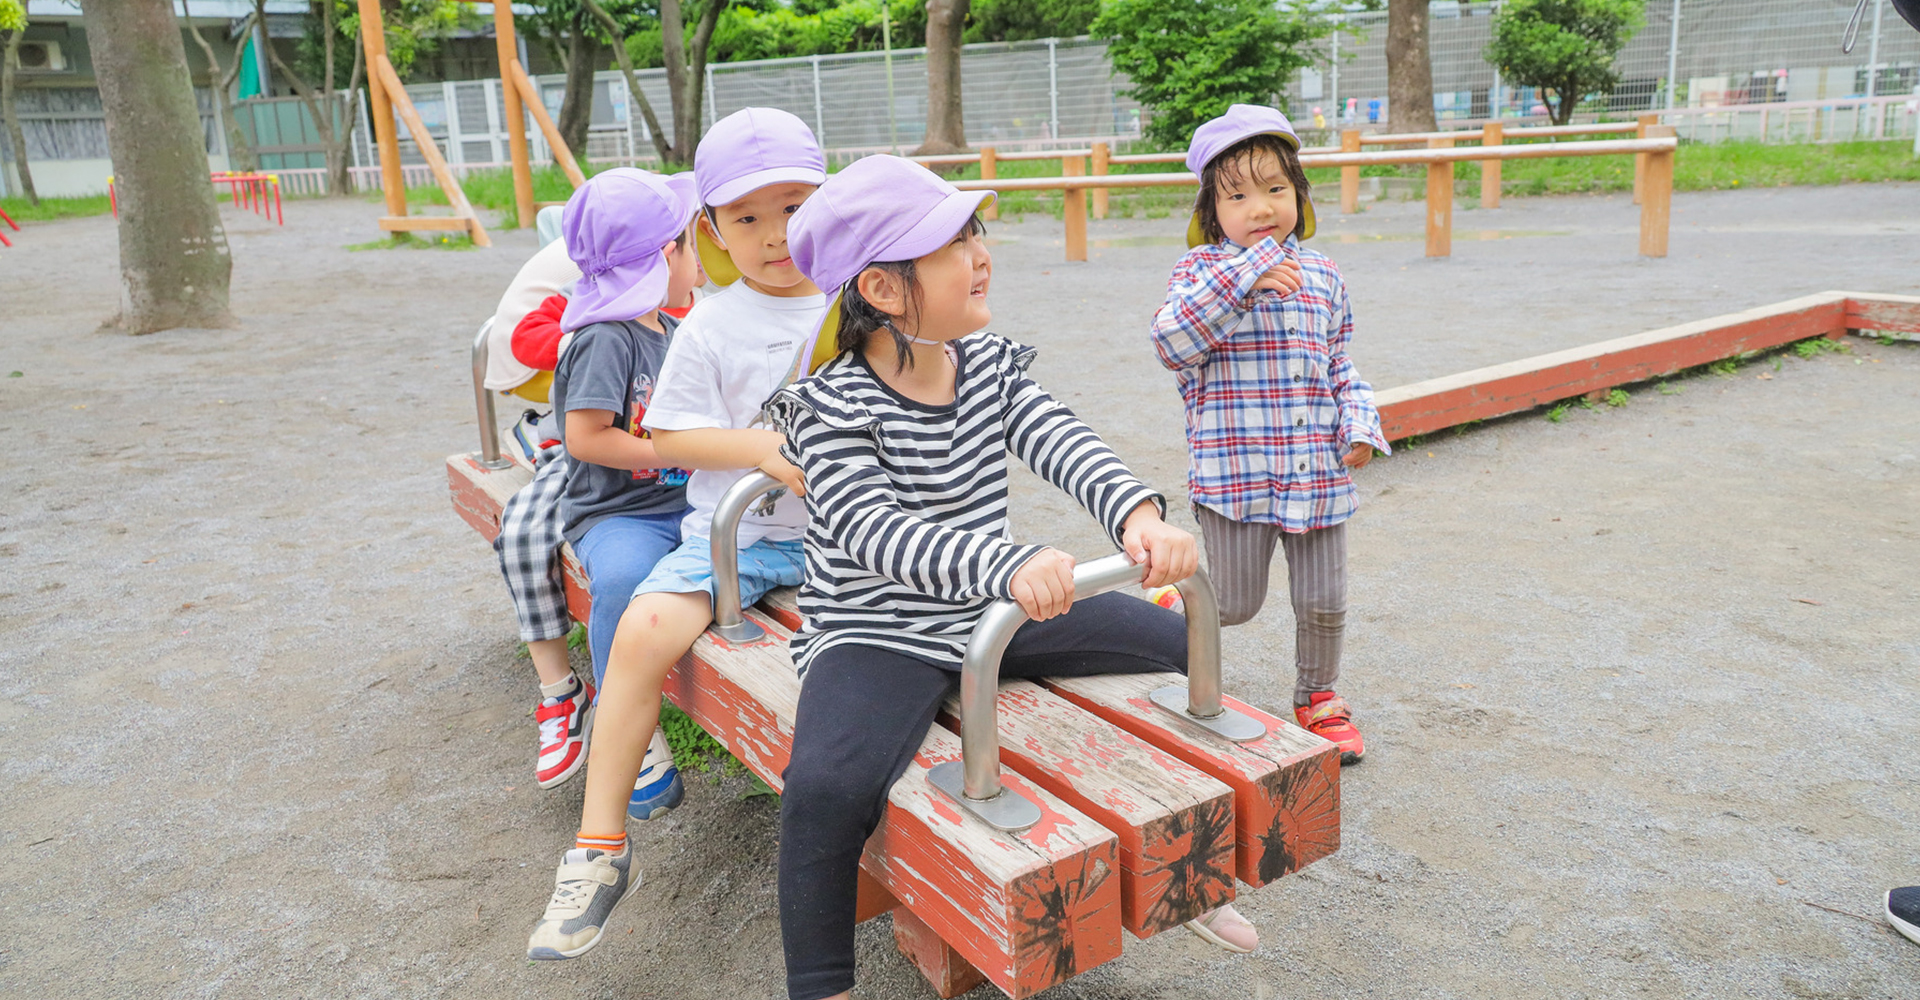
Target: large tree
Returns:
[[13, 22], [946, 121], [239, 150], [686, 62], [174, 264], [1409, 68], [1564, 47], [326, 106], [1189, 59], [624, 58]]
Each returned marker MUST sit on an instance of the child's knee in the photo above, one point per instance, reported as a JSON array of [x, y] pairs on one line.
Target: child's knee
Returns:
[[1326, 620], [1239, 608]]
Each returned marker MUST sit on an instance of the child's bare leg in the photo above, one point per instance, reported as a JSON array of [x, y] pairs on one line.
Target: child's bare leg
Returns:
[[550, 659], [654, 632]]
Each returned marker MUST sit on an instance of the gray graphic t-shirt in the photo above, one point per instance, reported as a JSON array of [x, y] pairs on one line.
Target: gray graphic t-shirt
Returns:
[[613, 366]]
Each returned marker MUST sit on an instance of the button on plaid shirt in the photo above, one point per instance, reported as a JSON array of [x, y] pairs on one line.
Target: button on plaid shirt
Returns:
[[1272, 399]]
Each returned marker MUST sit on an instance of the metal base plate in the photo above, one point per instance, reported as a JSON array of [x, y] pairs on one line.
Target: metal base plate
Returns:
[[1009, 810], [1236, 726], [743, 631]]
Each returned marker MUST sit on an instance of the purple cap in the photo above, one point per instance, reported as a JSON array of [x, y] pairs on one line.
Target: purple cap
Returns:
[[615, 227], [879, 208], [1242, 121], [752, 148]]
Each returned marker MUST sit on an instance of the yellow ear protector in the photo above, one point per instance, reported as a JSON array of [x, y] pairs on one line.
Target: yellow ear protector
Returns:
[[1196, 238], [826, 343], [714, 258]]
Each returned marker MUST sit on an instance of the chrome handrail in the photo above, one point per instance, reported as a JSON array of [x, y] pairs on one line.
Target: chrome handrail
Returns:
[[490, 456], [974, 780], [728, 622]]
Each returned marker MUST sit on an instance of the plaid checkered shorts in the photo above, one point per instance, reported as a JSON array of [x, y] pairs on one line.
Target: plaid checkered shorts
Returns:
[[529, 548]]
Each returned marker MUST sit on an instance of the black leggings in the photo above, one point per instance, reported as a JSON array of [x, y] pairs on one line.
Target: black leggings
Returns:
[[862, 716]]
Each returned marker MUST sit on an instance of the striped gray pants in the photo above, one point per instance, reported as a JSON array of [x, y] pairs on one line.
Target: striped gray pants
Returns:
[[1239, 561]]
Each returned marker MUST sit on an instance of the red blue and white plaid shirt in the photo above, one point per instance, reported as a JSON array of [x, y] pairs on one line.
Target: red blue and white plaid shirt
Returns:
[[1272, 399]]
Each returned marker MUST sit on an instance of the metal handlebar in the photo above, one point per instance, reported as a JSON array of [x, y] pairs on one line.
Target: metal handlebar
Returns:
[[490, 456], [728, 622], [974, 780]]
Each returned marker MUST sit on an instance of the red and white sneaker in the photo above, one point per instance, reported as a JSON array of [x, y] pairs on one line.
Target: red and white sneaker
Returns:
[[1328, 716], [565, 720]]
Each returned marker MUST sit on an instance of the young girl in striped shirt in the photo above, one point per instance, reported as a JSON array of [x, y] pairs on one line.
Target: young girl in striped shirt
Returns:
[[1255, 329], [903, 440]]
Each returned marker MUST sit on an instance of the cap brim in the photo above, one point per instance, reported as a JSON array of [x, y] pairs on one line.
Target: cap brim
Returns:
[[642, 289], [740, 187], [937, 227], [1196, 238]]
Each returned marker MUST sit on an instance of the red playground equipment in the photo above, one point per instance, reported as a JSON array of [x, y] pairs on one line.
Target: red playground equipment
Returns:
[[248, 190], [8, 219]]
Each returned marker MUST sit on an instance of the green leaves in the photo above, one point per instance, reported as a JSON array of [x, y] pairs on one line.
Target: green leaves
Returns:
[[1190, 59], [13, 16], [1563, 46]]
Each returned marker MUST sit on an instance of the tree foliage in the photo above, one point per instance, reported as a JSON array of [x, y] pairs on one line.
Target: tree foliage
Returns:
[[1565, 47], [415, 29], [1189, 59], [13, 16], [1020, 20]]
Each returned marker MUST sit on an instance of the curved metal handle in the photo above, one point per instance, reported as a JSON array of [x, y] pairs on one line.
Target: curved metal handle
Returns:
[[728, 622], [974, 781], [490, 456]]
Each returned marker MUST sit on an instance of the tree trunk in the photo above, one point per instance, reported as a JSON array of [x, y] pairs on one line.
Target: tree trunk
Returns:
[[1409, 70], [239, 152], [633, 82], [335, 132], [686, 71], [174, 263], [946, 125], [15, 137], [576, 108]]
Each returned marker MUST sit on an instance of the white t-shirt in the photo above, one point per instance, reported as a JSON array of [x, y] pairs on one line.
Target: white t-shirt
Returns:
[[545, 274], [729, 356]]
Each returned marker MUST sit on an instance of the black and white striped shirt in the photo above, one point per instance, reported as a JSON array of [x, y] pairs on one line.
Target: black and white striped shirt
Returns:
[[907, 539]]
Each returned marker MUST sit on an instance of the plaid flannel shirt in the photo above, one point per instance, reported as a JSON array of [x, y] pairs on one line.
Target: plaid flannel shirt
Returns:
[[1272, 399]]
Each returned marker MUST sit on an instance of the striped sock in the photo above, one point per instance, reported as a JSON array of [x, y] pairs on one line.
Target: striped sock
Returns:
[[597, 842]]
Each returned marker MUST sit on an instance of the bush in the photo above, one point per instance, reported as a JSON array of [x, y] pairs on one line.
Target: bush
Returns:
[[1563, 46]]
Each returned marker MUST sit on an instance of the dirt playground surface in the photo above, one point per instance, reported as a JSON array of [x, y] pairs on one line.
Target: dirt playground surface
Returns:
[[1640, 688]]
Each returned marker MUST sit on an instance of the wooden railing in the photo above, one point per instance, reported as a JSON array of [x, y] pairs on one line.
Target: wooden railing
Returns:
[[1656, 150]]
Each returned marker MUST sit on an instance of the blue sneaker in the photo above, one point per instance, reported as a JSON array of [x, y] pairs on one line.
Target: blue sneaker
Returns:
[[658, 788]]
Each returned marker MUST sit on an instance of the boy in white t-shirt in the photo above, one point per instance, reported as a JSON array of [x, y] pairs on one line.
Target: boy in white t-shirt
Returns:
[[730, 355]]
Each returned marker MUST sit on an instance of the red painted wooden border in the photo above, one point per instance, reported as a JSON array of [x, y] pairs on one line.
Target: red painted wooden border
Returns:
[[1495, 391]]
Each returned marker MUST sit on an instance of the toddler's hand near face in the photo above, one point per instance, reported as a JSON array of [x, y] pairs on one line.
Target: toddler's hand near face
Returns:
[[1283, 279]]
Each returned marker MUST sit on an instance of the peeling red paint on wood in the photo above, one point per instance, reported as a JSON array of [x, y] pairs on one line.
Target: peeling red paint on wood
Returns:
[[1175, 823], [946, 970], [1286, 785]]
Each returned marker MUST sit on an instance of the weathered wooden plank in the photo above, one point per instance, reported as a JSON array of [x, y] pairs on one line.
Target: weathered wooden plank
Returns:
[[1175, 823], [946, 969], [1029, 910], [1897, 313], [1286, 785], [479, 493], [1423, 407]]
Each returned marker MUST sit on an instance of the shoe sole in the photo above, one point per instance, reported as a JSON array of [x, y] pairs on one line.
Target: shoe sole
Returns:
[[1907, 930], [555, 955], [1347, 757], [661, 804], [586, 739], [1204, 933]]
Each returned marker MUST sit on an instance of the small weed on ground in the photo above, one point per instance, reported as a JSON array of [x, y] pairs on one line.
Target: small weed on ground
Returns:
[[1816, 346], [1724, 366], [408, 241], [1618, 397], [1557, 412], [695, 749]]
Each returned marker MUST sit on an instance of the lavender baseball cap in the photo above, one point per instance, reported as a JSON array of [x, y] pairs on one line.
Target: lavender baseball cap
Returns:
[[616, 226], [1242, 121], [752, 148], [880, 208]]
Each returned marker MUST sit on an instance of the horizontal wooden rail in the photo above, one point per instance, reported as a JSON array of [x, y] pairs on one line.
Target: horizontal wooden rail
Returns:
[[1517, 386], [1653, 216], [1537, 132]]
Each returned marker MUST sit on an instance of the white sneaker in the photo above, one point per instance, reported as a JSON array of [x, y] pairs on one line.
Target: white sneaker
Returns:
[[588, 885]]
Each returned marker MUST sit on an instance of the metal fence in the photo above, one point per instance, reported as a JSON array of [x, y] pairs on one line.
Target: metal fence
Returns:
[[1690, 54]]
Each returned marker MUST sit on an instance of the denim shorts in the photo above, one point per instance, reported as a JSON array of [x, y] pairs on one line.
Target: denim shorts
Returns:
[[764, 565]]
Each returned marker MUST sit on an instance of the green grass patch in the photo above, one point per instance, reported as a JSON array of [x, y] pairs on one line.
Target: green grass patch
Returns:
[[408, 241], [50, 209], [493, 189]]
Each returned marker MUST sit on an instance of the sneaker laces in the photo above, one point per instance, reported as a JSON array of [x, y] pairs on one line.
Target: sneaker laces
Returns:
[[574, 886], [555, 718]]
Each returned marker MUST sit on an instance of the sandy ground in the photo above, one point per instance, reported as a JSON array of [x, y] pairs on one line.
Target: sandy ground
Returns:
[[1640, 688]]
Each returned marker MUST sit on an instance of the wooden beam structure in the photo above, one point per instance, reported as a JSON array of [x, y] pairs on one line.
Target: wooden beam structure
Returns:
[[1440, 201], [1492, 134], [1074, 208]]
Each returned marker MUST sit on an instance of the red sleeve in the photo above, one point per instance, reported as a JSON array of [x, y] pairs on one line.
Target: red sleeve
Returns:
[[536, 341]]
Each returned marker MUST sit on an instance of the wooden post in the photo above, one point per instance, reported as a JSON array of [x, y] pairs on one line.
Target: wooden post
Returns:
[[528, 93], [1076, 208], [373, 34], [1640, 159], [1100, 153], [382, 70], [1491, 134], [989, 170], [1656, 201], [509, 52], [1349, 176], [949, 973], [1440, 203]]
